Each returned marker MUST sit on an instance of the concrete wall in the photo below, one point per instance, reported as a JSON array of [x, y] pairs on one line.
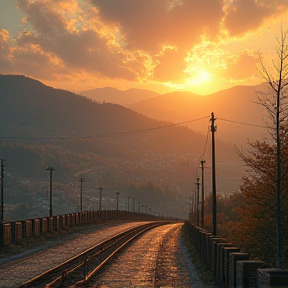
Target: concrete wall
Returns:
[[231, 267]]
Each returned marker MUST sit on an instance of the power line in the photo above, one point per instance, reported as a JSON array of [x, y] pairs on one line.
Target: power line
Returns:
[[242, 123], [108, 135], [128, 133], [207, 135]]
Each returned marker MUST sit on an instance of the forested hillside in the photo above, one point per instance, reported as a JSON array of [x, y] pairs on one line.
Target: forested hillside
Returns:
[[41, 126]]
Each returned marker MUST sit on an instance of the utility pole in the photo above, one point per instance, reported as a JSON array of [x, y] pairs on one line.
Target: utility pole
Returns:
[[139, 207], [50, 169], [192, 207], [100, 200], [214, 206], [81, 199], [134, 204], [197, 200], [203, 194]]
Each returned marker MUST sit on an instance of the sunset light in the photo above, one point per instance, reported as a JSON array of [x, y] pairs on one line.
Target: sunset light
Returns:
[[201, 78], [164, 122], [184, 45]]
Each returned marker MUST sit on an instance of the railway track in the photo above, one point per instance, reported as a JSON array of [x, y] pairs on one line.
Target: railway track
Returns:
[[77, 271]]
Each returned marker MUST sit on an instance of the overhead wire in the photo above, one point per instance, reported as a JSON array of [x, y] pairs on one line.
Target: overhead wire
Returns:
[[108, 135], [132, 132], [231, 121], [206, 142], [242, 123]]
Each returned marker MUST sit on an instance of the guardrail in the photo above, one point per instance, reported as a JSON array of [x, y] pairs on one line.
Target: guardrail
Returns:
[[231, 267], [16, 231]]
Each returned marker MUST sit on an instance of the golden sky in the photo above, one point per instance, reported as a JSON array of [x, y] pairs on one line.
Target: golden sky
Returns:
[[161, 45]]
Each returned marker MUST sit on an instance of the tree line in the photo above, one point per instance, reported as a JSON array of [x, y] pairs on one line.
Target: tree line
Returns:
[[256, 218]]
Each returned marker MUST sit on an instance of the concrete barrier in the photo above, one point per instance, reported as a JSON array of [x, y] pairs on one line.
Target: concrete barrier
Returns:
[[50, 221], [23, 228], [62, 221], [214, 243], [220, 263], [205, 248], [77, 220], [83, 218], [28, 228], [272, 277], [36, 227], [56, 223], [227, 251], [14, 232], [231, 268], [18, 232], [246, 273], [68, 220], [7, 238], [43, 225], [89, 216], [234, 257], [73, 221]]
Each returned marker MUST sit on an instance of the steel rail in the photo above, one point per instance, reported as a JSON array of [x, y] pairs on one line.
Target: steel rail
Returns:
[[60, 272], [115, 251]]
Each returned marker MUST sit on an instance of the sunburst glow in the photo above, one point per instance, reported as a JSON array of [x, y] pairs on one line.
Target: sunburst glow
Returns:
[[201, 77], [185, 44]]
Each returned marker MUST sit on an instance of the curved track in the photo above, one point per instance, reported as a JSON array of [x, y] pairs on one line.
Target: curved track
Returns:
[[76, 271]]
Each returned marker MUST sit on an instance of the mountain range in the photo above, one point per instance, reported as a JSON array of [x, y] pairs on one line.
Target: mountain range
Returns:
[[236, 108], [113, 95], [113, 145]]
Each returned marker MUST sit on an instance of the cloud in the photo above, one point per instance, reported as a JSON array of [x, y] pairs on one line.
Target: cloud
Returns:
[[78, 49], [5, 53], [150, 25], [241, 66], [134, 40], [248, 15], [170, 66]]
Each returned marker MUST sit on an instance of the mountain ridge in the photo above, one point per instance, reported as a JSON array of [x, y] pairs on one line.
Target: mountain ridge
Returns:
[[114, 95], [41, 126]]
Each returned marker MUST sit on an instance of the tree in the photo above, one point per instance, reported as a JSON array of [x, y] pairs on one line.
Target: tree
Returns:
[[267, 161]]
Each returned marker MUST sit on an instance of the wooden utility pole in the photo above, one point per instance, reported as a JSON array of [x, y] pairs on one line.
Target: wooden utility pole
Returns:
[[203, 194], [197, 200], [100, 200], [50, 169], [81, 198], [214, 206]]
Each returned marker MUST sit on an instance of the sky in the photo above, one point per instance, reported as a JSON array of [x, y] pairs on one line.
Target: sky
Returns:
[[161, 45]]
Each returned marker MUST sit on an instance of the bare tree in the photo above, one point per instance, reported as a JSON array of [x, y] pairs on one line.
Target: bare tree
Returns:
[[274, 99]]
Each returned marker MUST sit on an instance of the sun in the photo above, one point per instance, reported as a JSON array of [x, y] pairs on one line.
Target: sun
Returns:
[[195, 82], [200, 78]]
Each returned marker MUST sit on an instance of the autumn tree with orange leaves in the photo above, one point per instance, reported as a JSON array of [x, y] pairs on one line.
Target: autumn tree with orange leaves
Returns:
[[262, 230]]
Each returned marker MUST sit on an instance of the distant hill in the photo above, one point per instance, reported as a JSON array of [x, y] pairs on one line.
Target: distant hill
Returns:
[[236, 104], [41, 126], [116, 96], [32, 108]]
